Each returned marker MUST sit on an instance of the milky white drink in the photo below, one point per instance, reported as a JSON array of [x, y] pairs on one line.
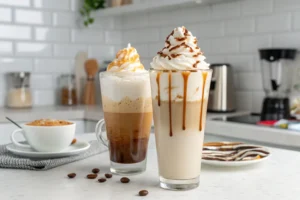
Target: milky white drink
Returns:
[[180, 80], [127, 106]]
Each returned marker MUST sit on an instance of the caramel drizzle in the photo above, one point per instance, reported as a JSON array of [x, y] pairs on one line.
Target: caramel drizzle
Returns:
[[170, 103], [204, 76], [185, 76], [158, 87]]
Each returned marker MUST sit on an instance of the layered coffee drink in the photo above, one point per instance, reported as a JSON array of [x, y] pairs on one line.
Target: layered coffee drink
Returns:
[[127, 106], [180, 81]]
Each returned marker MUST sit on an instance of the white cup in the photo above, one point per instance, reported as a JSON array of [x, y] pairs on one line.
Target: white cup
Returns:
[[46, 138]]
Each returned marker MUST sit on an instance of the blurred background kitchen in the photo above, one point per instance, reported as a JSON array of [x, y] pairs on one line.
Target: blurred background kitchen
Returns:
[[46, 44]]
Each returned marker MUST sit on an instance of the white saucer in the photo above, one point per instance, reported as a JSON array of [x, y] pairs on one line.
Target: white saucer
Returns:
[[73, 149], [233, 163]]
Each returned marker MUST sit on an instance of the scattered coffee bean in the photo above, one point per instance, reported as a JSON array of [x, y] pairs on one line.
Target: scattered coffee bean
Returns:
[[125, 180], [74, 141], [92, 176], [101, 180], [71, 175], [96, 170], [108, 175], [143, 193]]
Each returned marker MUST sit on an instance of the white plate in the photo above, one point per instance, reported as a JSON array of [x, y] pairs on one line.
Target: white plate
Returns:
[[73, 149], [233, 163]]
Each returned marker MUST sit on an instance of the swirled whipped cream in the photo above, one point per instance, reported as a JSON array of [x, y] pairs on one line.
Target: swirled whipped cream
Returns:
[[181, 52], [127, 60]]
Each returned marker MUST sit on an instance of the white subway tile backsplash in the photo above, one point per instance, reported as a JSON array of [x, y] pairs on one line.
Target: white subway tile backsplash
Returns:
[[15, 64], [76, 5], [205, 46], [46, 66], [241, 63], [257, 100], [68, 50], [142, 49], [44, 97], [33, 49], [103, 23], [105, 52], [53, 4], [253, 43], [244, 100], [255, 7], [5, 15], [33, 17], [273, 23], [250, 81], [141, 35], [66, 19], [239, 26], [280, 5], [288, 40], [113, 37], [42, 81], [22, 3], [226, 10], [52, 34], [225, 45], [6, 48], [132, 22], [13, 32], [154, 47], [211, 59], [87, 36], [206, 30], [296, 20]]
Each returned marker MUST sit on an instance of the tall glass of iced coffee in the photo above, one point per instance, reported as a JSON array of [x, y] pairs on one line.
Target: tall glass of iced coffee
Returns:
[[127, 107], [180, 81]]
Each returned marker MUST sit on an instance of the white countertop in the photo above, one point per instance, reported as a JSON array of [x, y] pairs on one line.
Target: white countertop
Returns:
[[277, 137], [276, 179], [69, 112]]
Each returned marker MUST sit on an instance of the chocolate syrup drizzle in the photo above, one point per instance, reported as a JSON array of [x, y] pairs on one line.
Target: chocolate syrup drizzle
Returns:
[[185, 76], [170, 103], [158, 87], [204, 76]]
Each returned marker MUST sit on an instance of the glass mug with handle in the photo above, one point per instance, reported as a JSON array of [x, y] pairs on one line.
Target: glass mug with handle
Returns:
[[127, 107]]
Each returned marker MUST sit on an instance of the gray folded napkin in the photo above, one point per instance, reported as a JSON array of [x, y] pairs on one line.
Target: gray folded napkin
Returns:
[[9, 160]]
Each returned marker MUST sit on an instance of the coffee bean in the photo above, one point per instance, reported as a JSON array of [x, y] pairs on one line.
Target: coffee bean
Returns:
[[125, 180], [71, 175], [143, 193], [101, 180], [96, 170], [92, 176], [108, 175], [74, 141]]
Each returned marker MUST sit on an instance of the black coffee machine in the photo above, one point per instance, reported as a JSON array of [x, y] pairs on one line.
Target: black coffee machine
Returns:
[[277, 70]]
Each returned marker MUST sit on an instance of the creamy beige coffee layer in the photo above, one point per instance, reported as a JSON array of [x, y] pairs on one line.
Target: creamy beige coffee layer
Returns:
[[179, 156], [127, 105]]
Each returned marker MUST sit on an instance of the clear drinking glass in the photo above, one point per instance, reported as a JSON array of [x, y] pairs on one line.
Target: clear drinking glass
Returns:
[[179, 106], [127, 107]]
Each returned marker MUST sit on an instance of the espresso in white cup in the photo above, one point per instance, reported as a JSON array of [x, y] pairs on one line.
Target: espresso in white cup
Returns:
[[46, 138]]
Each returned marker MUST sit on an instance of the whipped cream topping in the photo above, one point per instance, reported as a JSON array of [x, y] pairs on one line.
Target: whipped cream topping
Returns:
[[181, 52], [127, 60]]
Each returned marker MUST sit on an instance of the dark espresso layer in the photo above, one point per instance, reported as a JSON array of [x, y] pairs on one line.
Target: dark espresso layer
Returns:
[[128, 135]]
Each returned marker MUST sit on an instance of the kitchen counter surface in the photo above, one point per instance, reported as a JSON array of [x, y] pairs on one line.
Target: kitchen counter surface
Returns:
[[275, 179], [264, 135], [72, 112]]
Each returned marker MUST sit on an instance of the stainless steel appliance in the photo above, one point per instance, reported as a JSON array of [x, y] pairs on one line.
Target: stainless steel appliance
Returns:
[[221, 95], [276, 66]]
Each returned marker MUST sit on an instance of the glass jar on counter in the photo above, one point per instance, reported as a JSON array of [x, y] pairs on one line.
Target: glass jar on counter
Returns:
[[67, 90], [19, 93]]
